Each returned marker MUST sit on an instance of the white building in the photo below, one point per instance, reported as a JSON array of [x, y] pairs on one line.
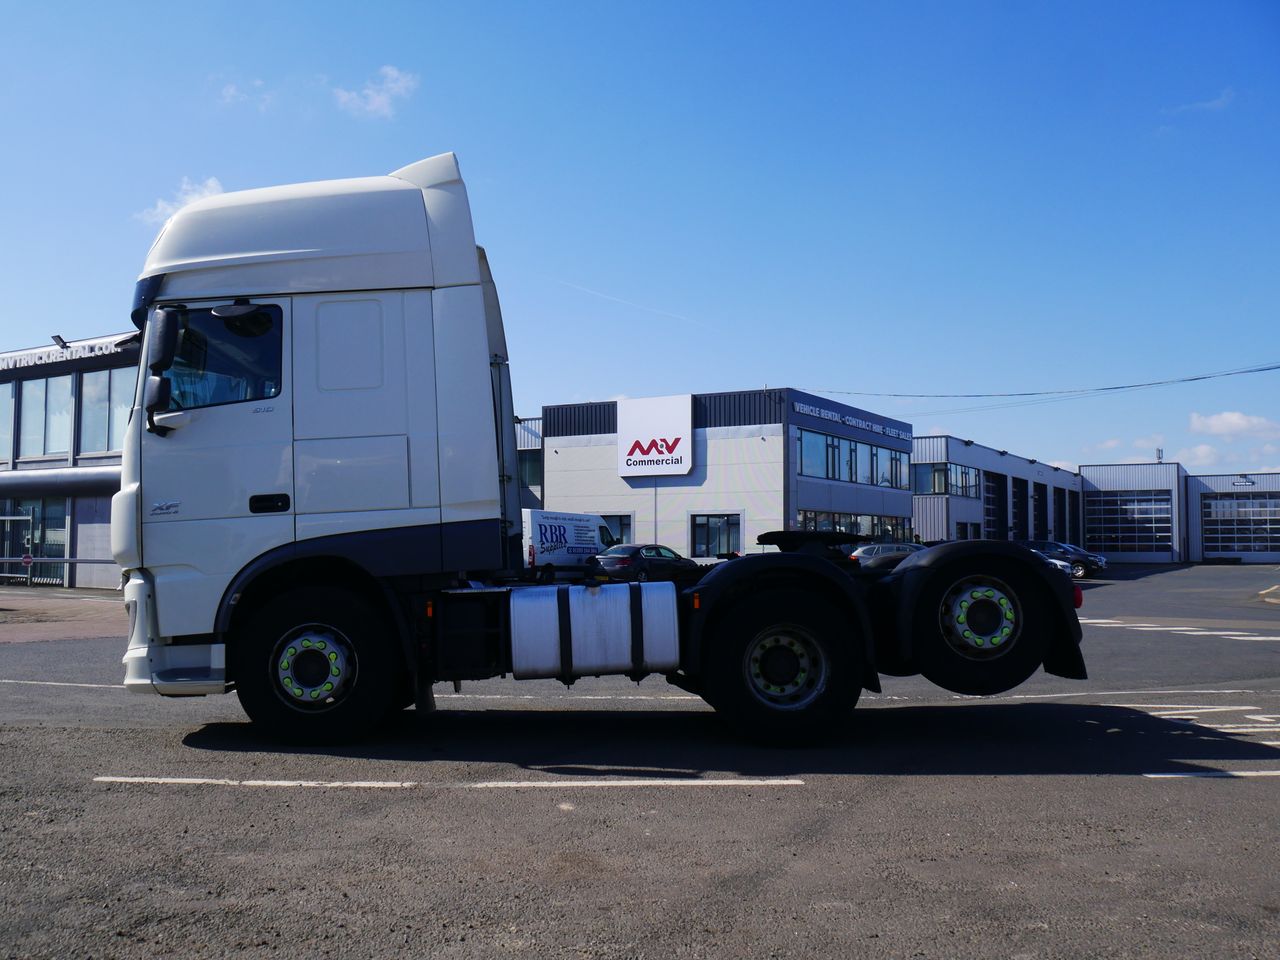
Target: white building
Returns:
[[707, 473]]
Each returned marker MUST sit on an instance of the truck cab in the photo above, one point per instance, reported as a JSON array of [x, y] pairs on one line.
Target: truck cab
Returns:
[[324, 390]]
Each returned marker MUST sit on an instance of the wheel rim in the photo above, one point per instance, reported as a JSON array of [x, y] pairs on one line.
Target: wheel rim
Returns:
[[980, 617], [1077, 570], [313, 667], [785, 668]]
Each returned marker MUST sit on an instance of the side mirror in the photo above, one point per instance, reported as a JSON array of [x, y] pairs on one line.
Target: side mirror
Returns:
[[163, 345], [156, 397]]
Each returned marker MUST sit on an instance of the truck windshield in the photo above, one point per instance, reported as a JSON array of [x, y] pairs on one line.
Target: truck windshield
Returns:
[[227, 360]]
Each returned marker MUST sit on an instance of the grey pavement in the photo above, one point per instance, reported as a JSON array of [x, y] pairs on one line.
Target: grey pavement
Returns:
[[1065, 819]]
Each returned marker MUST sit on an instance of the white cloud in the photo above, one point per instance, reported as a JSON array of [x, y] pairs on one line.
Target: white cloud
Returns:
[[377, 97], [188, 192], [254, 92], [1063, 464], [1201, 455], [1233, 423], [1220, 102], [1107, 444]]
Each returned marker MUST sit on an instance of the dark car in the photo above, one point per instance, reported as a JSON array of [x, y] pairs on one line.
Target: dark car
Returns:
[[1083, 563], [646, 561]]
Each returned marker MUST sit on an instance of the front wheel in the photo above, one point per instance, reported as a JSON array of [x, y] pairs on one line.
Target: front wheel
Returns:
[[782, 665], [1078, 571], [316, 664]]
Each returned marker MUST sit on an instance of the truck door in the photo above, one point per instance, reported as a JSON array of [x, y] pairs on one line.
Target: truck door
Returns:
[[217, 465]]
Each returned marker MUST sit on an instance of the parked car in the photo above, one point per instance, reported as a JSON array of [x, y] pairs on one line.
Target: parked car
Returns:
[[1083, 563], [869, 551], [646, 561], [1057, 564]]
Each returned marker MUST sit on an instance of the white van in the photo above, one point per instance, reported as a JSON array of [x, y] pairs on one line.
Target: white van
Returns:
[[563, 539]]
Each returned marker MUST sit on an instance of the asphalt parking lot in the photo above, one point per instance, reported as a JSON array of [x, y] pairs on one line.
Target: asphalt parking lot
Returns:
[[1133, 814]]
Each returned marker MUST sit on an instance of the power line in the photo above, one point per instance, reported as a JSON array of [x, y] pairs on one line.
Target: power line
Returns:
[[1059, 394]]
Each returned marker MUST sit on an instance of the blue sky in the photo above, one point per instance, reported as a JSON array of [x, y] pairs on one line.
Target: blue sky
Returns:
[[889, 197]]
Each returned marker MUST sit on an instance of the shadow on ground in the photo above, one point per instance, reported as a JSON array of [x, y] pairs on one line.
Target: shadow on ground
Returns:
[[953, 740]]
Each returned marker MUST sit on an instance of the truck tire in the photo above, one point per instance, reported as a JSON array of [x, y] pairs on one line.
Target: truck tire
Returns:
[[778, 667], [981, 627], [316, 664]]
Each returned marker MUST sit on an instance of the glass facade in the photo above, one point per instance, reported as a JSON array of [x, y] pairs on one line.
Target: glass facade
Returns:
[[6, 422], [1240, 522], [49, 408], [889, 529], [1129, 521], [530, 467], [715, 533], [37, 526], [836, 458], [947, 478]]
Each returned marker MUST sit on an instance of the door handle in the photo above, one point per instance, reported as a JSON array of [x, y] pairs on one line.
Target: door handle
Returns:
[[269, 503]]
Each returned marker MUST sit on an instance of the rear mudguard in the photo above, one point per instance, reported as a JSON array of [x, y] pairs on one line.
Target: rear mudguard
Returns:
[[717, 591], [904, 584]]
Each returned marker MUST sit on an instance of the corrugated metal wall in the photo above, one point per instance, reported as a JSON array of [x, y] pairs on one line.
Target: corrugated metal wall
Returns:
[[929, 518], [929, 450], [529, 433], [744, 408], [580, 419]]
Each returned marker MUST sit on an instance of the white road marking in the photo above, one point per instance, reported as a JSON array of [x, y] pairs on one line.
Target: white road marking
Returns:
[[1263, 593], [1090, 693], [54, 683], [1212, 774], [483, 785], [215, 782], [681, 782]]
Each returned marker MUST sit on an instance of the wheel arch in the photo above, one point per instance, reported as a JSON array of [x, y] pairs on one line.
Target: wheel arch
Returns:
[[1062, 658], [729, 581], [281, 570]]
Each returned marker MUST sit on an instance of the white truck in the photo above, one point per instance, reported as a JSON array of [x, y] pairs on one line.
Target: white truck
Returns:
[[559, 541], [319, 505]]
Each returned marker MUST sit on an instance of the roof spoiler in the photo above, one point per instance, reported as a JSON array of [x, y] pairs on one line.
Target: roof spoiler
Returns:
[[432, 172]]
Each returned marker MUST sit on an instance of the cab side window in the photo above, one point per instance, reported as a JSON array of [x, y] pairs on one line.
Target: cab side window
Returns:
[[223, 360]]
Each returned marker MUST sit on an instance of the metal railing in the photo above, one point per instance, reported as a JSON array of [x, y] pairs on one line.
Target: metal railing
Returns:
[[28, 573]]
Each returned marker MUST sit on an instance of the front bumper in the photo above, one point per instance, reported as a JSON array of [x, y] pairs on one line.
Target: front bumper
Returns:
[[155, 664]]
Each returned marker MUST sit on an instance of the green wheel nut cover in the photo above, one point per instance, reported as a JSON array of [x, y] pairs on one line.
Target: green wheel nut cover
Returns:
[[293, 651], [989, 594], [315, 694], [306, 643], [284, 664], [334, 671], [297, 691], [333, 657], [328, 686]]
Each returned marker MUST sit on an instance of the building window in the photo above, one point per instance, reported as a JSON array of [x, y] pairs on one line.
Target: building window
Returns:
[[835, 458], [715, 534], [105, 399], [530, 467], [1129, 521], [888, 529], [6, 422], [619, 525], [45, 429], [1240, 523]]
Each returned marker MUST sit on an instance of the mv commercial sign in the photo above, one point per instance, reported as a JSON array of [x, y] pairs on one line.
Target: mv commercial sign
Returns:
[[655, 436]]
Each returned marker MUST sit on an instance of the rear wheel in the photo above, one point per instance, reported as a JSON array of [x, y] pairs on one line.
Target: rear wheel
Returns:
[[316, 664], [982, 627], [778, 666]]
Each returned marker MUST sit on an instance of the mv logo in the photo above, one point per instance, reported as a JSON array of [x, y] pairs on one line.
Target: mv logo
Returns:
[[658, 445]]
